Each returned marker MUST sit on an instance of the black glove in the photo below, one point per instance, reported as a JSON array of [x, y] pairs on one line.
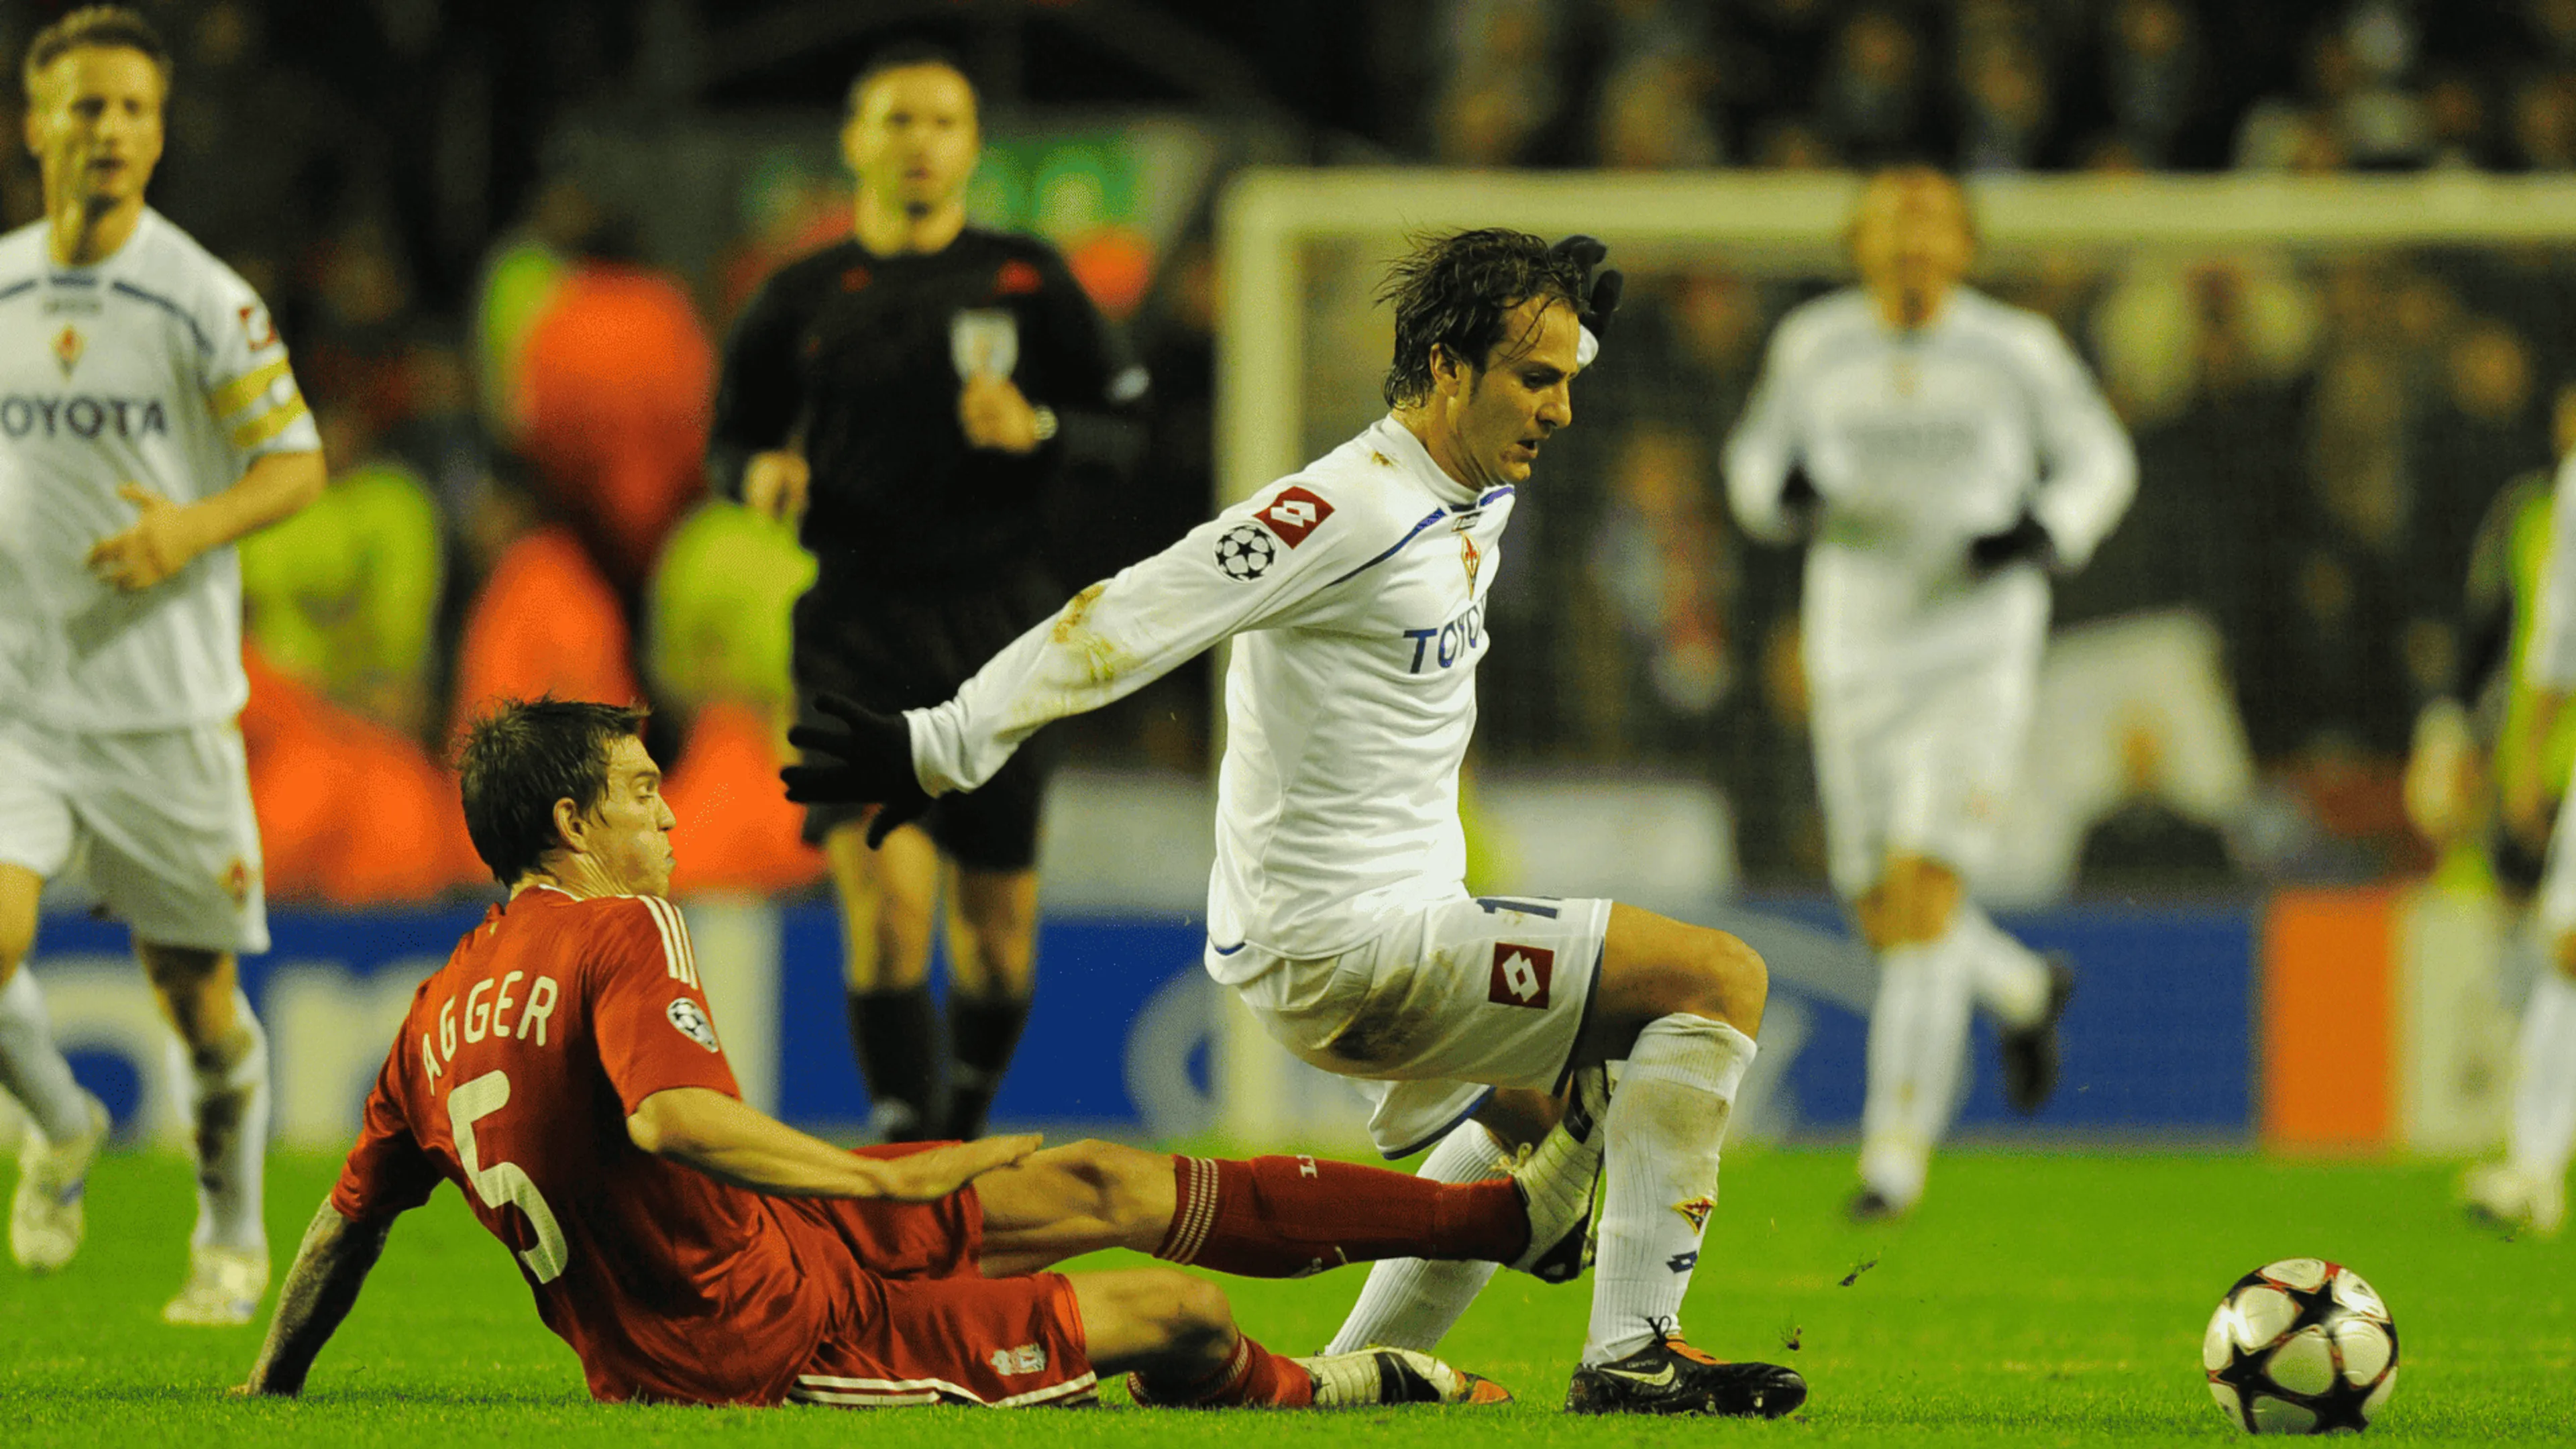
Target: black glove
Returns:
[[1598, 292], [2027, 539], [875, 765], [1799, 498]]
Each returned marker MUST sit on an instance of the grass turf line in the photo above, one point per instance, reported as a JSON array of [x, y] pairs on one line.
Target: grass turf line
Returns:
[[2033, 1300]]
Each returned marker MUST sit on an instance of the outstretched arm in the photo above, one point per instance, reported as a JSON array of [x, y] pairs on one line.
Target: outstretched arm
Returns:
[[330, 1267], [1261, 563], [732, 1141]]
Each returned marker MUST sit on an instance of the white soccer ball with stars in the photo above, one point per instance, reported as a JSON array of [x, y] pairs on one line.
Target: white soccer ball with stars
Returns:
[[2301, 1346], [1245, 552]]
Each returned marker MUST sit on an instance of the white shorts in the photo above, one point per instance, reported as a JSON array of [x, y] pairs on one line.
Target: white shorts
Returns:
[[162, 817], [1445, 1005], [1920, 763]]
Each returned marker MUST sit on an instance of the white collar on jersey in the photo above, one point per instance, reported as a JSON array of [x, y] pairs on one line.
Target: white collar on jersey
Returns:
[[1390, 436]]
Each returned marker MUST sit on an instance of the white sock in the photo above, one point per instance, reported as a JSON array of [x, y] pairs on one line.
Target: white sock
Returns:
[[32, 1068], [1413, 1302], [223, 1096], [2544, 1093], [1665, 1126], [1918, 1032], [2011, 980]]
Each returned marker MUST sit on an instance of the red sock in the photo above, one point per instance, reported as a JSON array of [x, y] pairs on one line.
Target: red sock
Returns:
[[1253, 1376], [1286, 1217]]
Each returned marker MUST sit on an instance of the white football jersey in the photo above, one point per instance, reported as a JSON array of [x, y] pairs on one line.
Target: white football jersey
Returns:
[[158, 367], [2551, 663], [1354, 593], [1918, 443]]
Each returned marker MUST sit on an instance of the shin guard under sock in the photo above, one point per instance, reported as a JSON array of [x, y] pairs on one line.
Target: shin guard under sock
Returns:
[[1251, 1376], [1286, 1217]]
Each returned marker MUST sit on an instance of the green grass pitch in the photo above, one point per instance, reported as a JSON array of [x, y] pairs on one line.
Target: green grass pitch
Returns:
[[2033, 1300]]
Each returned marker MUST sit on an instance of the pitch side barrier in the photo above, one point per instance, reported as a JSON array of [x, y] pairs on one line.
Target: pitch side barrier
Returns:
[[2308, 1021], [1126, 1039]]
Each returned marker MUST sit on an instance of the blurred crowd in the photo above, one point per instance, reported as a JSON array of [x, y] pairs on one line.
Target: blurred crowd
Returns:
[[514, 397], [2004, 85], [2319, 441]]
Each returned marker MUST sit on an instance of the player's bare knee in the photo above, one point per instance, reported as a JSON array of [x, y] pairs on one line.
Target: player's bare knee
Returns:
[[1196, 1317], [2562, 955], [1737, 985], [1876, 917]]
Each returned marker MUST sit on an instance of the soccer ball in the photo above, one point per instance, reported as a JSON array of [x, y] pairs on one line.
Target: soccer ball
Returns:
[[1245, 552], [2301, 1346]]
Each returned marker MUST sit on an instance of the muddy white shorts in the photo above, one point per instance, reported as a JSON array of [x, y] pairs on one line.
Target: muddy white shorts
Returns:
[[1446, 1004], [162, 817]]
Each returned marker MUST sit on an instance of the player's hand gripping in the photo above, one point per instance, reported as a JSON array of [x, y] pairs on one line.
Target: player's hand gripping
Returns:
[[1599, 289], [162, 541], [934, 1173], [865, 760]]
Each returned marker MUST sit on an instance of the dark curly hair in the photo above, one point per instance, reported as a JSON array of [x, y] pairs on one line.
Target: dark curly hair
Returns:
[[1456, 290], [522, 757]]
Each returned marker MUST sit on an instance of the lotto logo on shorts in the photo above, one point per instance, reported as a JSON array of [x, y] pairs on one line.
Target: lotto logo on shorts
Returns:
[[1521, 975], [1028, 1358], [1294, 514]]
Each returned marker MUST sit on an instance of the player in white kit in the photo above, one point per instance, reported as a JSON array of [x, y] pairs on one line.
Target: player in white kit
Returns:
[[2528, 1188], [1944, 452], [1354, 593], [147, 420]]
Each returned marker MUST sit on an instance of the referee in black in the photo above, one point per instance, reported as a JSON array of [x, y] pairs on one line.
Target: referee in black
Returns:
[[918, 395]]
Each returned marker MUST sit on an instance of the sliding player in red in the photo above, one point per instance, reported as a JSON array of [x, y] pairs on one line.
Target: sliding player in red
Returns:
[[563, 1070]]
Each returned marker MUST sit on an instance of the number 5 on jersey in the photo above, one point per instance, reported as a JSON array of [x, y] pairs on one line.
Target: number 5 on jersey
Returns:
[[503, 1182]]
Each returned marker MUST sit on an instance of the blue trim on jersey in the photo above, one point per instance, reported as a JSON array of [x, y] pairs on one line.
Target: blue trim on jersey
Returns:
[[14, 288], [1505, 903], [1446, 1128], [1393, 549], [164, 303], [1226, 950], [1505, 491]]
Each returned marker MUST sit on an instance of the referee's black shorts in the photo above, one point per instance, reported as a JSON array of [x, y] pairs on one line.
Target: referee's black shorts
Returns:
[[908, 650]]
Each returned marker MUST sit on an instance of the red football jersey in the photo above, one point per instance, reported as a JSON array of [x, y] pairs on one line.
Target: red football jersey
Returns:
[[513, 1076]]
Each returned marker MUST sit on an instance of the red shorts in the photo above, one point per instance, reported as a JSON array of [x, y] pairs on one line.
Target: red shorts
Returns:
[[929, 1328]]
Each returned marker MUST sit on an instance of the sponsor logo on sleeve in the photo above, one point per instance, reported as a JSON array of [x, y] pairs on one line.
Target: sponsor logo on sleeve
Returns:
[[1521, 975], [692, 1022], [1294, 514], [1245, 552], [256, 327]]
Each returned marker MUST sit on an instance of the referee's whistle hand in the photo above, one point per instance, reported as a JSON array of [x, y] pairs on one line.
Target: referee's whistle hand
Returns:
[[995, 415]]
